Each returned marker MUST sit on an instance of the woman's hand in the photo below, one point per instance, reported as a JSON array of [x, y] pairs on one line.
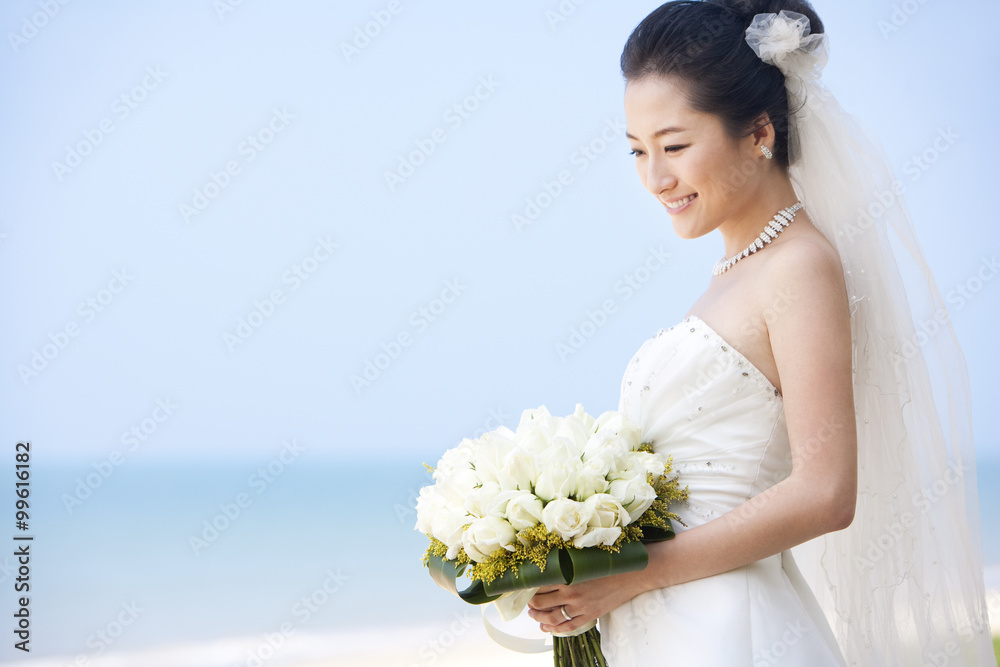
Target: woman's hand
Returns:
[[583, 602]]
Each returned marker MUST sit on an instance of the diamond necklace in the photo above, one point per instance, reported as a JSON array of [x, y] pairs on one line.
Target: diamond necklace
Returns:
[[783, 218]]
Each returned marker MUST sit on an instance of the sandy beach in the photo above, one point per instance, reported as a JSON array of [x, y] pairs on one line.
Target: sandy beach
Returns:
[[476, 648], [455, 644], [460, 642]]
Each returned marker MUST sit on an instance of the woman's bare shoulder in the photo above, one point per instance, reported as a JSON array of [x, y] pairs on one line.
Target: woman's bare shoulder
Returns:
[[809, 264]]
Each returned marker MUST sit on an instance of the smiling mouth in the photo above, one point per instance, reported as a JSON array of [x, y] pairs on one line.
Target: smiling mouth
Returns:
[[680, 203]]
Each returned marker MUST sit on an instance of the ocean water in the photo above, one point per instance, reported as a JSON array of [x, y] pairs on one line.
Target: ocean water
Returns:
[[988, 477], [326, 549]]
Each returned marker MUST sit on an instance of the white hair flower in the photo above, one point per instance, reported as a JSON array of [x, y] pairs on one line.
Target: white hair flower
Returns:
[[784, 40]]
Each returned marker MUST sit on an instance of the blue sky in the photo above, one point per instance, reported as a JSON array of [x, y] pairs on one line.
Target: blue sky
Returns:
[[199, 225]]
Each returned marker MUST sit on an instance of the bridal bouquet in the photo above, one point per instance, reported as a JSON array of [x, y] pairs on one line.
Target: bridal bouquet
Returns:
[[558, 501]]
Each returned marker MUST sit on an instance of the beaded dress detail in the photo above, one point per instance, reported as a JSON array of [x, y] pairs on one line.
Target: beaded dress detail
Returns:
[[698, 399]]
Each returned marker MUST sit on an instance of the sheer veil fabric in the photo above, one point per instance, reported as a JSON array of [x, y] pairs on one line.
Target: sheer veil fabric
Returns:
[[903, 585]]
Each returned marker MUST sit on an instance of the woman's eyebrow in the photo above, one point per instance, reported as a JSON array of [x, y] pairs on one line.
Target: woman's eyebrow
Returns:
[[659, 133]]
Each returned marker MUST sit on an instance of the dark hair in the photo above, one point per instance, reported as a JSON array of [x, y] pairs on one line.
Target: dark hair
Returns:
[[703, 43]]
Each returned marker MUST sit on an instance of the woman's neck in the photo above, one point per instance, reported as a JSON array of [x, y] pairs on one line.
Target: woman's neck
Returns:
[[770, 197]]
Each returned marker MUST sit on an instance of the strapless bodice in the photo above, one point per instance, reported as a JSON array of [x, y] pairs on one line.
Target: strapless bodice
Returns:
[[698, 399]]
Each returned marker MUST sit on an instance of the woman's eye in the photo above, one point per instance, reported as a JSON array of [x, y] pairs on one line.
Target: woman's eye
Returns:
[[667, 149]]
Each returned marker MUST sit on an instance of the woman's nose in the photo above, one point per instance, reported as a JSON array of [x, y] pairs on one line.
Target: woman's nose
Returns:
[[660, 178]]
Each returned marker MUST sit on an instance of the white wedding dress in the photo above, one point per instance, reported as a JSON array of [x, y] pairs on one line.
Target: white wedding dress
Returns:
[[702, 402]]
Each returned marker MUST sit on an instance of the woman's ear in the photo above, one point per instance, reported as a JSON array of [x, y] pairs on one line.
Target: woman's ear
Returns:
[[763, 132]]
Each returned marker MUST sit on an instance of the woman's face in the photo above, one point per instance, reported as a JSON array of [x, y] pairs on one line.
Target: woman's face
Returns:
[[685, 158]]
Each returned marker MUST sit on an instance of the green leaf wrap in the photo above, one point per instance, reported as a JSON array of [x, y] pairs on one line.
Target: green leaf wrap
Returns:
[[445, 574], [530, 576], [563, 567], [587, 564]]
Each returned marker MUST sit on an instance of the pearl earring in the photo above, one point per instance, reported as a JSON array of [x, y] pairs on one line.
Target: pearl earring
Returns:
[[767, 152]]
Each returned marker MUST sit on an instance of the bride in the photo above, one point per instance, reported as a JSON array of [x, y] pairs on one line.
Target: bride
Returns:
[[791, 397]]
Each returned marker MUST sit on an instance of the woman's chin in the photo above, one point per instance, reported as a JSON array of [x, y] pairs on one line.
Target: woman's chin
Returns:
[[686, 231]]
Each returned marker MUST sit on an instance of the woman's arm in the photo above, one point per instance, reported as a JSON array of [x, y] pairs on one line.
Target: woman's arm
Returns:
[[811, 343]]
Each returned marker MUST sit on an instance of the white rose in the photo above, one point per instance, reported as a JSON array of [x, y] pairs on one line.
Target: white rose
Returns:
[[479, 501], [447, 526], [586, 420], [566, 518], [455, 458], [520, 471], [506, 433], [457, 485], [539, 432], [532, 438], [486, 535], [495, 445], [597, 465], [562, 449], [653, 463], [524, 511], [594, 536], [627, 467], [429, 503], [616, 423], [537, 418], [604, 452], [606, 521], [572, 436], [498, 507], [490, 456], [588, 481], [557, 480], [635, 495], [607, 511]]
